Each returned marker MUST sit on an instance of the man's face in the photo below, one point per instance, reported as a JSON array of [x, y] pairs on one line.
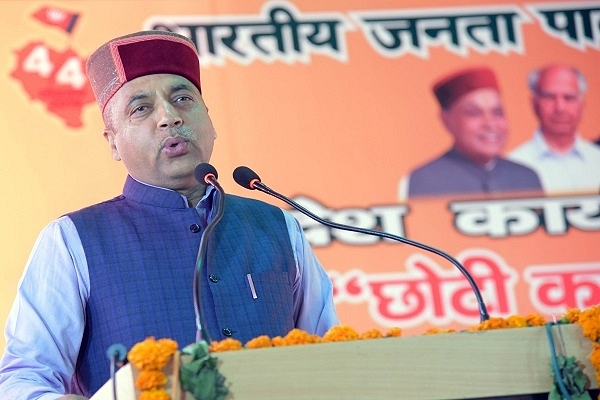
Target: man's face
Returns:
[[558, 104], [477, 123], [158, 125]]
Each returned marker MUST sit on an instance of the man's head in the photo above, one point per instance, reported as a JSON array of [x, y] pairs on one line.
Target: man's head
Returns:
[[558, 100], [147, 85], [472, 111]]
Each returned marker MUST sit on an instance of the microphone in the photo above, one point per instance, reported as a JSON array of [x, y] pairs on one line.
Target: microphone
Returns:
[[205, 173], [116, 353], [249, 179]]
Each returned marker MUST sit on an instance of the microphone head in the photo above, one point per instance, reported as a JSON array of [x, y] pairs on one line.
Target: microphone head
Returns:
[[204, 170], [245, 177], [118, 351]]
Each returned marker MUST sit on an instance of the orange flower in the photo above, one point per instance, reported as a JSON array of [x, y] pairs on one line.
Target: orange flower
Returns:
[[340, 333], [278, 341], [258, 342], [151, 354], [394, 332], [298, 336], [572, 315], [372, 334], [595, 357], [154, 394], [535, 320], [516, 321], [438, 331], [228, 344], [590, 323], [492, 323], [147, 380]]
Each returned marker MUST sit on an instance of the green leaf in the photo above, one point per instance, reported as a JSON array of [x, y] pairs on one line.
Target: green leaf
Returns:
[[572, 378], [200, 377]]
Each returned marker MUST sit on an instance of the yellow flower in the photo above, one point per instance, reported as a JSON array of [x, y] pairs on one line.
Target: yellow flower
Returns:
[[259, 342], [340, 333], [151, 354], [147, 380], [228, 344], [154, 394]]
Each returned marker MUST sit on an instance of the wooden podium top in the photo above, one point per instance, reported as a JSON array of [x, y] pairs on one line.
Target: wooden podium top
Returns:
[[447, 366]]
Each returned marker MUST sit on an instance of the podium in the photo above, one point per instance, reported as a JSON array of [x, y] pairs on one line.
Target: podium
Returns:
[[493, 363]]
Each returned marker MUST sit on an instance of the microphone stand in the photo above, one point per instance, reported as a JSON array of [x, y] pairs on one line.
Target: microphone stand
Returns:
[[201, 331], [257, 184]]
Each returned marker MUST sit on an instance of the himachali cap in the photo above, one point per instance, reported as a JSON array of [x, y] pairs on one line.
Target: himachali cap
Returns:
[[459, 83], [138, 54]]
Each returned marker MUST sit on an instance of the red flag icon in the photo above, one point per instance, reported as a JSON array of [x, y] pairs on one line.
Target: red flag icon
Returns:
[[54, 16]]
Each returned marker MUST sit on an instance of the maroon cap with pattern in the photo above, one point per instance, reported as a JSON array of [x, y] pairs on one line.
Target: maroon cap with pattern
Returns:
[[459, 83], [138, 54]]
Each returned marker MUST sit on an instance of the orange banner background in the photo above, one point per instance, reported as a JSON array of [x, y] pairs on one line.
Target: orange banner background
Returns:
[[341, 132]]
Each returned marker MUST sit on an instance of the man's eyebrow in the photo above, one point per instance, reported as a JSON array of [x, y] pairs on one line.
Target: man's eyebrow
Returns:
[[180, 86], [137, 96]]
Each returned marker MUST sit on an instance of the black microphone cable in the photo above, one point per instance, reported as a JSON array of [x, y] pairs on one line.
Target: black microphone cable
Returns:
[[249, 179], [207, 174]]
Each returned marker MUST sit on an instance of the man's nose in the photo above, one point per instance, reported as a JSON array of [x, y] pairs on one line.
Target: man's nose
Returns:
[[168, 116], [560, 103]]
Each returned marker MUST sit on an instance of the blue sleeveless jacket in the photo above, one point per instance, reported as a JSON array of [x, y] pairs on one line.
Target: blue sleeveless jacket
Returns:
[[141, 250]]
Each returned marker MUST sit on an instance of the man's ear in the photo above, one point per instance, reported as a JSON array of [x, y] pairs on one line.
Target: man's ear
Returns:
[[109, 135]]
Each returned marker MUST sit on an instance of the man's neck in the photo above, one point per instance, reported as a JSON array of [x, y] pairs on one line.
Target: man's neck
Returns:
[[560, 143], [193, 195]]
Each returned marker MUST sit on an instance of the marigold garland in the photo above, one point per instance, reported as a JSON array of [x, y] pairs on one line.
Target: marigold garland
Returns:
[[148, 380], [154, 394], [372, 334], [589, 320], [340, 333], [259, 342], [394, 332], [150, 356], [225, 345]]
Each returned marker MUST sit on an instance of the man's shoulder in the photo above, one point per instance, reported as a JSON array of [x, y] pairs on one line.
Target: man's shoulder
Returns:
[[97, 207], [441, 163], [590, 148]]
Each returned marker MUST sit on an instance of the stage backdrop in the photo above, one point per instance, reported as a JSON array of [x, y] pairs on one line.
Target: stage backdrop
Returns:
[[331, 103]]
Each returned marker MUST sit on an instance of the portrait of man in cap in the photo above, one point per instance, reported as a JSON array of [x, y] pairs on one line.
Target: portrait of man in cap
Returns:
[[471, 110]]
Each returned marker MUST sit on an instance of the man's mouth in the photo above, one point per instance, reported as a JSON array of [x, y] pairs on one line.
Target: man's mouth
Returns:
[[175, 146]]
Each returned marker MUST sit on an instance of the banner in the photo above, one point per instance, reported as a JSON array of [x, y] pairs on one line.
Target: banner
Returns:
[[333, 105]]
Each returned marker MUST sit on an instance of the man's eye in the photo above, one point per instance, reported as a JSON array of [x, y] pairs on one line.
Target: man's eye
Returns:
[[139, 109], [182, 99], [571, 97]]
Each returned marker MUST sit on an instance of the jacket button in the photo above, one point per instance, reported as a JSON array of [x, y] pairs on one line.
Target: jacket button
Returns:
[[213, 278], [227, 332], [195, 228]]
